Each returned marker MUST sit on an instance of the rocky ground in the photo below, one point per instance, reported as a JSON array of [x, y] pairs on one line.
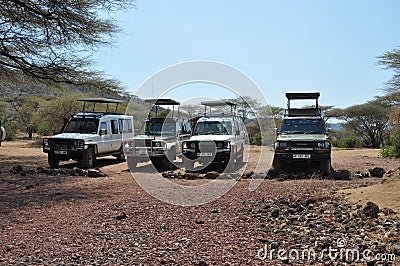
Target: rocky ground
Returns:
[[66, 217]]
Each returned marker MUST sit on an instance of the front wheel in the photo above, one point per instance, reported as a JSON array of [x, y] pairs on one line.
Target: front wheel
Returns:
[[326, 167], [53, 160], [132, 162], [88, 158], [188, 164], [121, 156]]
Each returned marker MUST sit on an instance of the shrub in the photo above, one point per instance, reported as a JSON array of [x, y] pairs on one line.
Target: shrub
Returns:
[[392, 150]]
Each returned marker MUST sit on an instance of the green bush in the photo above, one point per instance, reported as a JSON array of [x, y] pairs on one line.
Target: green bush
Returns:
[[348, 142], [10, 129], [392, 150], [256, 139]]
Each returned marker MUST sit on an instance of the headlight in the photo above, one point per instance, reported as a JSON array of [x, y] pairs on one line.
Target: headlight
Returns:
[[223, 144], [46, 142], [157, 144], [282, 144], [321, 145], [187, 145], [81, 143]]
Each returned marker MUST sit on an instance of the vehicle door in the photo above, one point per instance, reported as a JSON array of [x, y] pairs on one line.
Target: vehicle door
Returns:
[[184, 133], [116, 135], [104, 144]]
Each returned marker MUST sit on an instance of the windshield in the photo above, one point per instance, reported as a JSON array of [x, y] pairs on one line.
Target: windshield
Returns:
[[158, 128], [82, 125], [303, 126], [213, 128]]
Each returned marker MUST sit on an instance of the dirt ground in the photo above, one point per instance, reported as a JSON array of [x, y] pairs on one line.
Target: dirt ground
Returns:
[[60, 219]]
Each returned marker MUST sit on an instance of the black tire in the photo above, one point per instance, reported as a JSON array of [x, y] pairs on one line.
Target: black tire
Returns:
[[158, 163], [278, 165], [188, 164], [132, 162], [89, 157], [230, 166], [326, 167], [121, 156], [239, 157], [54, 160]]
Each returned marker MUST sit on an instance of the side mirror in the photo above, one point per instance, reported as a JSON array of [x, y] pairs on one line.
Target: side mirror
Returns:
[[103, 132]]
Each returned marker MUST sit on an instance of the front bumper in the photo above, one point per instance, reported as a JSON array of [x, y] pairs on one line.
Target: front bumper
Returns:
[[302, 155], [145, 152], [219, 155]]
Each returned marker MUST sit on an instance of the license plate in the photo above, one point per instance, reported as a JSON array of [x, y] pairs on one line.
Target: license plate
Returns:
[[60, 152], [301, 156], [204, 154], [143, 152]]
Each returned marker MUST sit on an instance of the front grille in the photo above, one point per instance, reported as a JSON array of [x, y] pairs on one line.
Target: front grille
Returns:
[[143, 143], [303, 144]]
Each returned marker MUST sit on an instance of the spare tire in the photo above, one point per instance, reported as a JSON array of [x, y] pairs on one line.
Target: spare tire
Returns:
[[2, 133]]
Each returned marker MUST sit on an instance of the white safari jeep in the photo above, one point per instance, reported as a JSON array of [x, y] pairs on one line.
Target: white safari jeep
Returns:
[[88, 135], [2, 133], [159, 139], [215, 139]]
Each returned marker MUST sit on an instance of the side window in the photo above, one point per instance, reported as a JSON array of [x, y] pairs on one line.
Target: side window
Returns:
[[121, 125], [114, 127], [103, 125], [125, 126], [188, 128]]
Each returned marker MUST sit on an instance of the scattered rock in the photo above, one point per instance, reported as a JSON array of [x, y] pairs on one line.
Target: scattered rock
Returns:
[[248, 174], [362, 174], [16, 169], [203, 263], [275, 213], [388, 211], [341, 175], [211, 175], [121, 216], [95, 173], [377, 172], [371, 210], [199, 222]]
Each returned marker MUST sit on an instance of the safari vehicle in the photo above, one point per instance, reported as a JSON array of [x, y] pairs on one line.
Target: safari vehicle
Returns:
[[2, 133], [159, 138], [215, 139], [89, 135], [303, 136]]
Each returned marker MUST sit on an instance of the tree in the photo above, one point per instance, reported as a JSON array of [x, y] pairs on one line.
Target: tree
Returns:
[[391, 60], [27, 115], [368, 120], [52, 40], [245, 106]]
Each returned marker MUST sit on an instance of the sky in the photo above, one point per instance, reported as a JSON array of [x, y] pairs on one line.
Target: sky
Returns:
[[299, 45]]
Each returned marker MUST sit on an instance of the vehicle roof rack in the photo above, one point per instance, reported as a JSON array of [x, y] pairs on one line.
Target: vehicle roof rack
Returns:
[[100, 100], [217, 103], [302, 96], [160, 101]]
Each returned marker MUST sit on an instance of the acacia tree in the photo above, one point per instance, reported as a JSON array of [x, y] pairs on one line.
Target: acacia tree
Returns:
[[52, 40], [368, 120], [391, 61]]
